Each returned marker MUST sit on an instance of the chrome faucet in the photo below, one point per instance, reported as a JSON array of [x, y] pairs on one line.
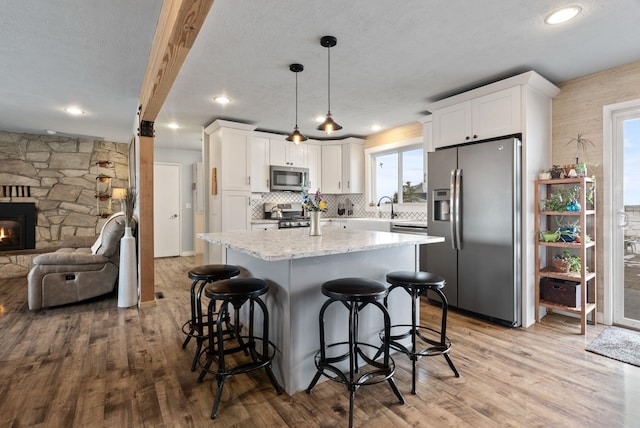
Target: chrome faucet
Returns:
[[393, 214]]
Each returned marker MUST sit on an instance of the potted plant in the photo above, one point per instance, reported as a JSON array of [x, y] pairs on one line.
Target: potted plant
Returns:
[[556, 171], [567, 262], [581, 147]]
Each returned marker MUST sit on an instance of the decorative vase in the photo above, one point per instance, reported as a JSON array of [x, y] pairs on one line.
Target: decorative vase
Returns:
[[314, 227], [128, 275]]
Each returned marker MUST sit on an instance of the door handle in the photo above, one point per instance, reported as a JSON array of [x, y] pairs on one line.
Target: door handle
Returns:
[[623, 219]]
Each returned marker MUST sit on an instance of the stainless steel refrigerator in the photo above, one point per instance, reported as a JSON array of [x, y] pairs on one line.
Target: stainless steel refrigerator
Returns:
[[475, 203]]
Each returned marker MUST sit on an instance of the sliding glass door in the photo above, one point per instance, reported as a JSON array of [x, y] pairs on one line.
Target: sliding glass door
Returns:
[[626, 143]]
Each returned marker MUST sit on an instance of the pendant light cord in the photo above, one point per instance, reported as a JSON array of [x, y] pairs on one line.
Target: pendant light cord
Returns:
[[329, 79], [296, 100]]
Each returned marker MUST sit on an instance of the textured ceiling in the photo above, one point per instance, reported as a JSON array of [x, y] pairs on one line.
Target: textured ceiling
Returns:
[[391, 60]]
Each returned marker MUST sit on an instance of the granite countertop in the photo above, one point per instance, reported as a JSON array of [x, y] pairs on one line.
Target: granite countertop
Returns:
[[287, 244]]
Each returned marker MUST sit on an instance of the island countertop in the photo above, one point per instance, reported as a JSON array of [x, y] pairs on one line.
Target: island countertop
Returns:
[[287, 244]]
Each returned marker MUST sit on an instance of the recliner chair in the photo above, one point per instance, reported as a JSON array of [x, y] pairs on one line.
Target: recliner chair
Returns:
[[79, 270]]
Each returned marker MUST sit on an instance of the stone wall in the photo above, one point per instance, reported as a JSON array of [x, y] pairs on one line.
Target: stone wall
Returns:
[[61, 175]]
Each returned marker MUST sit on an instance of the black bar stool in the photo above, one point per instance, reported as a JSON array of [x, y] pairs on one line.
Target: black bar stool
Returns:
[[236, 292], [194, 327], [417, 284], [355, 294]]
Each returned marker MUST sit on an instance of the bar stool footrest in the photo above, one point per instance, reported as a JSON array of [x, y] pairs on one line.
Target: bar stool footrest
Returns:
[[371, 376]]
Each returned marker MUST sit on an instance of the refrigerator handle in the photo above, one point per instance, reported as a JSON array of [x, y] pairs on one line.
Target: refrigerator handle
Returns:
[[452, 208], [456, 213]]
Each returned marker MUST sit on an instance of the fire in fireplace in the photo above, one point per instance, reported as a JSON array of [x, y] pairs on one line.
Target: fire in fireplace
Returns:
[[17, 226]]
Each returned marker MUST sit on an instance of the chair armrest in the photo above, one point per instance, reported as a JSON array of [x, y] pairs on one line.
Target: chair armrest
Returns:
[[61, 258]]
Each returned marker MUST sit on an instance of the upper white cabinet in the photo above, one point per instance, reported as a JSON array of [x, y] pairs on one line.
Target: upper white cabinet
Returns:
[[235, 160], [314, 163], [487, 116], [343, 167], [259, 164], [331, 168], [286, 153], [353, 166]]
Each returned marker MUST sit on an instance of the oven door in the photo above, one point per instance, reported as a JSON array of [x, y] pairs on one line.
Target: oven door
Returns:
[[289, 178]]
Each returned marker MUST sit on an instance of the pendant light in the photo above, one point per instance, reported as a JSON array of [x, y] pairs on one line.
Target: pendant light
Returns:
[[328, 126], [296, 136]]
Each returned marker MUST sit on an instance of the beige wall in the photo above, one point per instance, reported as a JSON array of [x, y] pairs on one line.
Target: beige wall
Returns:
[[401, 133], [578, 108]]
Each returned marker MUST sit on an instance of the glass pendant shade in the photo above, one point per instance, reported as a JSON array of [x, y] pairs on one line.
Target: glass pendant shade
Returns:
[[329, 125], [296, 137]]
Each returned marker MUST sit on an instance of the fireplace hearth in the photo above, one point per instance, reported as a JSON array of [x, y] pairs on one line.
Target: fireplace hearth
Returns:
[[17, 226]]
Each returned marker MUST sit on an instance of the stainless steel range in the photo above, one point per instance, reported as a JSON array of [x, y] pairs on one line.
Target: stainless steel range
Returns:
[[288, 215]]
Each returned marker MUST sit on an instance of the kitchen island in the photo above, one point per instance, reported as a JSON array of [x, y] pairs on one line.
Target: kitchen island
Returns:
[[295, 265]]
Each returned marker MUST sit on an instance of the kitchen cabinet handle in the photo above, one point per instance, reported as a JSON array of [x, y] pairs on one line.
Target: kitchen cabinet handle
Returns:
[[249, 180], [467, 138], [475, 136], [348, 184], [339, 185]]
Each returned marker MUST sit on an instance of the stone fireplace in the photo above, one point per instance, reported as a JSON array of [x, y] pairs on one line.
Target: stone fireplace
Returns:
[[17, 226]]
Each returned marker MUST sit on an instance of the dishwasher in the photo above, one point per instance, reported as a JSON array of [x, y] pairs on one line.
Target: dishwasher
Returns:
[[413, 229]]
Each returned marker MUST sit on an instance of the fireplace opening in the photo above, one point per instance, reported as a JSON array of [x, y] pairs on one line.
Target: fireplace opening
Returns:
[[17, 226]]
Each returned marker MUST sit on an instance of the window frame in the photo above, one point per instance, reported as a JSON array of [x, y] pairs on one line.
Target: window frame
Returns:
[[369, 158]]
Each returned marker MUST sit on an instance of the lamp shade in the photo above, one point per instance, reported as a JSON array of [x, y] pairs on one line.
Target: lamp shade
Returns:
[[118, 193], [329, 126], [296, 137]]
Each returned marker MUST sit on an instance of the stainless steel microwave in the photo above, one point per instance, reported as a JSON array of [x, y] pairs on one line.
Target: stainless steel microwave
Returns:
[[288, 178]]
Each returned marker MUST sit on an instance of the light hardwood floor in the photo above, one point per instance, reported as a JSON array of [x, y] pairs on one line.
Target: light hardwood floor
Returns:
[[93, 365]]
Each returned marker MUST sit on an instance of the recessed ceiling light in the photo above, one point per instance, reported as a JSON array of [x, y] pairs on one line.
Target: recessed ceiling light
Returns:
[[50, 131], [173, 125], [222, 100], [376, 127], [74, 111], [320, 119], [563, 15]]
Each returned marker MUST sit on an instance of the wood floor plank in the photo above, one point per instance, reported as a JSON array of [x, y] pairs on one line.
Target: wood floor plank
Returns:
[[94, 364]]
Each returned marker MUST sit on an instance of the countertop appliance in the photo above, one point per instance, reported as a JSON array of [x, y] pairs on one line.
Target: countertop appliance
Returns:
[[288, 178], [289, 215], [475, 203]]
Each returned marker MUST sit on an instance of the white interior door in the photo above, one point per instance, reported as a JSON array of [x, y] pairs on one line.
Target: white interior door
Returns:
[[167, 222], [626, 203]]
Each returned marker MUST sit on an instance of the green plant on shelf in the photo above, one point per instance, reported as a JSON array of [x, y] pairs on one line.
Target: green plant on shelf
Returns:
[[574, 262]]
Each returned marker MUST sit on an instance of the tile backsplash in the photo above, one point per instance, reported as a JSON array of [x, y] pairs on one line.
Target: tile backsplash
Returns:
[[357, 200]]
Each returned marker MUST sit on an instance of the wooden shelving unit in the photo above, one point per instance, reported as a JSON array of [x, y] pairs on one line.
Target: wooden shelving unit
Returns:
[[103, 188], [584, 246]]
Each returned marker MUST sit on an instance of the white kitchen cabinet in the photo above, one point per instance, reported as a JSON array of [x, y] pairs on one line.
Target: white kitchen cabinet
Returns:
[[352, 166], [235, 160], [343, 167], [236, 211], [228, 163], [488, 116], [334, 223], [264, 226], [314, 163], [286, 153], [260, 164], [331, 168]]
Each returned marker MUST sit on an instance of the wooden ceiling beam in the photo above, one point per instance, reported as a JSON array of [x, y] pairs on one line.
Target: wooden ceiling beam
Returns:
[[179, 23]]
